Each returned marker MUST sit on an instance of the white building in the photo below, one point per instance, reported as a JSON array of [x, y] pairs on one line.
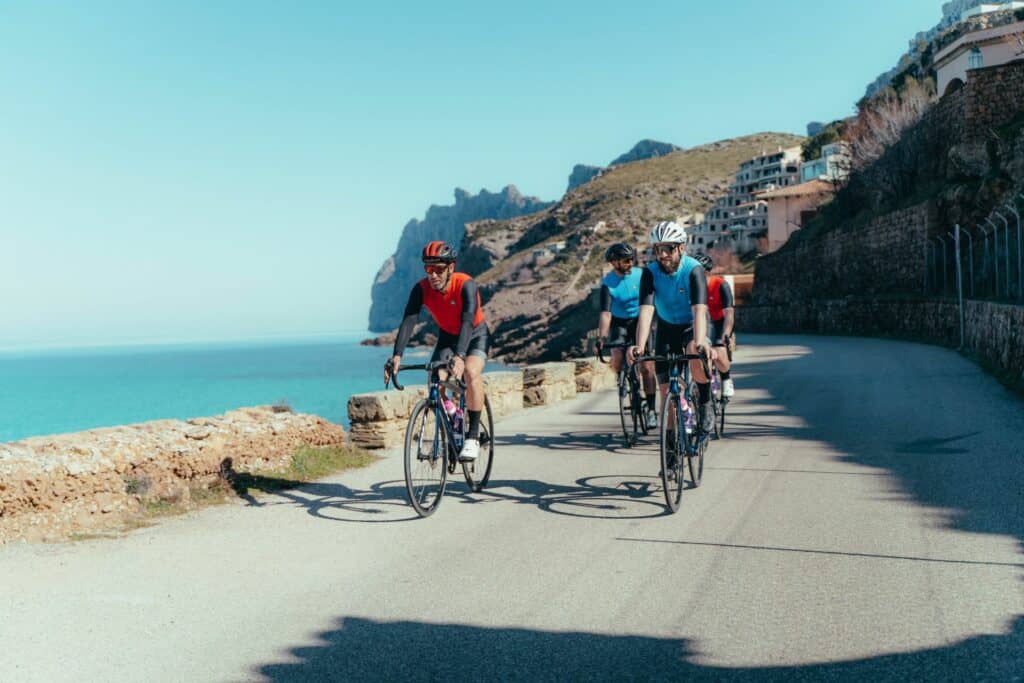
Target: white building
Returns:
[[832, 165], [987, 7]]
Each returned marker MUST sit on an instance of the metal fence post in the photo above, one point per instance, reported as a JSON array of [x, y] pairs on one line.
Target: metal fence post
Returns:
[[1020, 272], [926, 250], [945, 265], [1006, 235], [970, 256], [995, 252], [959, 282]]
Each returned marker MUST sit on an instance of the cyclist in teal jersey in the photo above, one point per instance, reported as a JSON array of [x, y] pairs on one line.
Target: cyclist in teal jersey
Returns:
[[675, 289], [620, 306]]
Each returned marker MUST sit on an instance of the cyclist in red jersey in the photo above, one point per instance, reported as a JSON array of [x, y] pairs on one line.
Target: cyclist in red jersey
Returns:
[[722, 311], [453, 301]]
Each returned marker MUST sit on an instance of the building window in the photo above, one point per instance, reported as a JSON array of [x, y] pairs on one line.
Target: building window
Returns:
[[976, 60]]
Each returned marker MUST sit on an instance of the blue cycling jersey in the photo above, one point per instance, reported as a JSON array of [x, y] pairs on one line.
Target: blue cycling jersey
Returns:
[[672, 292], [625, 293]]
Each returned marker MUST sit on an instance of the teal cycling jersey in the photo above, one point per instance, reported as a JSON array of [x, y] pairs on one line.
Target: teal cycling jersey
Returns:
[[675, 294], [622, 298]]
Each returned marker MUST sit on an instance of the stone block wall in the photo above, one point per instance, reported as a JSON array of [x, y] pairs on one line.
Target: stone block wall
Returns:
[[593, 375], [882, 257], [548, 383], [378, 419], [55, 486], [992, 97]]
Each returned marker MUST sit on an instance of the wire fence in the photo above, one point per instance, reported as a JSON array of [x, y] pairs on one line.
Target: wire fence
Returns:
[[983, 261]]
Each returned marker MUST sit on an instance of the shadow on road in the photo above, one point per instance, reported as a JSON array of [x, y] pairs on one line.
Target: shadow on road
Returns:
[[366, 650]]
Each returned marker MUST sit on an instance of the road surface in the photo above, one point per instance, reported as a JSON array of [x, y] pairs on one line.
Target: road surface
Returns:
[[862, 519]]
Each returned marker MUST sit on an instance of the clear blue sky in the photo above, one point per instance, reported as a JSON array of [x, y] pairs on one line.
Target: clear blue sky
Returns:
[[207, 170]]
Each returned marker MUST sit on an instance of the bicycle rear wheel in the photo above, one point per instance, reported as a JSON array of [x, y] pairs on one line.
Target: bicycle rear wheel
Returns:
[[478, 472], [721, 419], [426, 467], [672, 452], [639, 412]]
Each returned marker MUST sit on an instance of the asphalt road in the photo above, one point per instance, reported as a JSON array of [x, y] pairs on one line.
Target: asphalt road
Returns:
[[863, 519]]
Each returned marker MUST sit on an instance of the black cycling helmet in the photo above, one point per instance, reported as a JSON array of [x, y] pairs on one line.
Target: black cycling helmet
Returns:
[[438, 252], [619, 250], [706, 263]]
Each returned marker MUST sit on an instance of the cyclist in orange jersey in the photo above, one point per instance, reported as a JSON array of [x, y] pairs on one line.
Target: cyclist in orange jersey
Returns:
[[453, 301]]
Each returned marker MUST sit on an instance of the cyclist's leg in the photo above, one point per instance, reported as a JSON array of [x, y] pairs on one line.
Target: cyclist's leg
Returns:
[[706, 415], [718, 343], [476, 359]]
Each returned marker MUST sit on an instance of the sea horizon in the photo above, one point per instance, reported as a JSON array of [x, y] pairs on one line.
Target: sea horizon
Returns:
[[49, 391]]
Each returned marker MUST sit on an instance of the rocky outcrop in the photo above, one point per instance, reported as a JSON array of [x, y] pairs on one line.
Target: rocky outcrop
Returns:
[[582, 173], [402, 269], [56, 486], [645, 149]]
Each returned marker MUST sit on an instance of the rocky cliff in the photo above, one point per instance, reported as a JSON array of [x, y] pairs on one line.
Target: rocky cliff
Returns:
[[402, 269]]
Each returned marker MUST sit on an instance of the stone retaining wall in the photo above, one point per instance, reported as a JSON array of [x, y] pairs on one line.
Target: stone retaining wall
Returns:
[[993, 331], [378, 420], [56, 486], [548, 383]]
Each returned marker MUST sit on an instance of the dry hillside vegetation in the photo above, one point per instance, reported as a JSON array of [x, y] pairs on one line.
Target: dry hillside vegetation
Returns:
[[538, 303]]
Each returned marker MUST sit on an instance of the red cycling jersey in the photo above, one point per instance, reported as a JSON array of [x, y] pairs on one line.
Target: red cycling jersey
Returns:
[[715, 297], [446, 307]]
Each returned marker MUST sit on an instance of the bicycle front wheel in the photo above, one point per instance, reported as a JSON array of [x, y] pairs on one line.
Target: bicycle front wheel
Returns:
[[698, 446], [426, 467], [478, 472], [626, 411], [672, 435]]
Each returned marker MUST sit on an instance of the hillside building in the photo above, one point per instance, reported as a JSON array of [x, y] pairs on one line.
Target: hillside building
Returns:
[[833, 165], [976, 50], [788, 209]]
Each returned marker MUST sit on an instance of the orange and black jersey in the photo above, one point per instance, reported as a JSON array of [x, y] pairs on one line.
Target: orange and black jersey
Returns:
[[457, 311]]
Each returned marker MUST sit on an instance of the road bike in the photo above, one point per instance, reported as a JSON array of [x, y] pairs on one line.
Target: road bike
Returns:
[[433, 439], [631, 402], [681, 437]]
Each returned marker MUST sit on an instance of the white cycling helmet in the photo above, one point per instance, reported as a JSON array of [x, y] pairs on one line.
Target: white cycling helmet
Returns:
[[668, 231]]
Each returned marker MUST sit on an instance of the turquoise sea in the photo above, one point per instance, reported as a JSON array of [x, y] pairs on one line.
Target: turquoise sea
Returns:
[[68, 390]]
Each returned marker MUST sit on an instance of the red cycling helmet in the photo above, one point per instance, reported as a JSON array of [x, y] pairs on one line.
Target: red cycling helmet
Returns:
[[438, 252]]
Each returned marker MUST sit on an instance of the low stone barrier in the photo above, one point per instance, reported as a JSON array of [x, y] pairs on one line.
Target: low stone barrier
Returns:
[[56, 486], [593, 375], [378, 419], [548, 383]]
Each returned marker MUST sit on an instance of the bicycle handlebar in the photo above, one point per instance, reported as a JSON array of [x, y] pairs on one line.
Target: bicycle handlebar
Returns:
[[673, 358], [617, 345], [429, 367]]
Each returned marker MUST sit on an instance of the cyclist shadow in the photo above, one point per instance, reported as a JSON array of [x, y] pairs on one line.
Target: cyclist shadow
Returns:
[[609, 442], [383, 502], [611, 497]]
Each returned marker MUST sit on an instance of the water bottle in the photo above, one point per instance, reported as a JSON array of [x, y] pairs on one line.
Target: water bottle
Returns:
[[449, 407], [689, 421], [716, 386], [457, 427]]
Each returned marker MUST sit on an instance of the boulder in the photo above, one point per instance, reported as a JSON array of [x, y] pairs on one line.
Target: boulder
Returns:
[[548, 383]]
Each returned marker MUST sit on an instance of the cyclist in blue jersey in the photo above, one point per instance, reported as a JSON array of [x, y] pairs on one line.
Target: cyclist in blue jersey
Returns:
[[620, 306], [675, 289]]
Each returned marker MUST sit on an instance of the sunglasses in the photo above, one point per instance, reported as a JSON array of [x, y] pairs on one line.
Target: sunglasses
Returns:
[[627, 261], [664, 249], [435, 269]]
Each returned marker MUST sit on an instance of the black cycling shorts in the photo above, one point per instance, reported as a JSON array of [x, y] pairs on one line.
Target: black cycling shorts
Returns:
[[446, 343], [671, 339], [623, 331], [718, 332]]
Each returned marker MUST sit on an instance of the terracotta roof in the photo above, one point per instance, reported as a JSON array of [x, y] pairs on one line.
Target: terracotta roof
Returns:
[[801, 190]]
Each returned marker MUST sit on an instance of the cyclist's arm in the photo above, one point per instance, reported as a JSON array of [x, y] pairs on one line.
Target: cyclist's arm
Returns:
[[729, 306], [699, 304], [470, 304], [646, 317], [604, 320], [409, 320]]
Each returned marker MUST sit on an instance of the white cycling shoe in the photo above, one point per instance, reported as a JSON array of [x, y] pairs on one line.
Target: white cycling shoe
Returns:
[[727, 388], [470, 450]]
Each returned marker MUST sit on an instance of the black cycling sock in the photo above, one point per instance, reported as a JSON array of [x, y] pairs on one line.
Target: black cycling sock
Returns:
[[651, 403], [704, 391], [724, 375], [473, 430]]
